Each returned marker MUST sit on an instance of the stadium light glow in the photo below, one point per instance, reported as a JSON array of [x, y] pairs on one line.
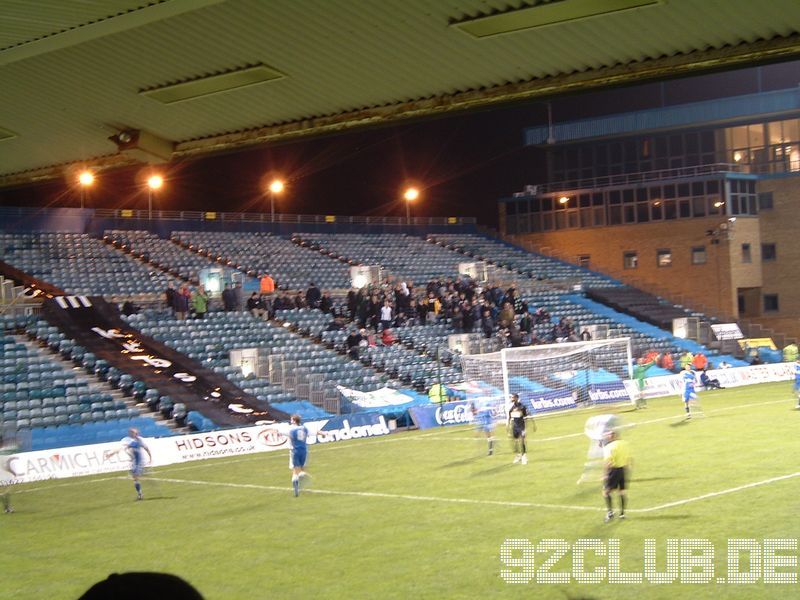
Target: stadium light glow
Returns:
[[410, 195], [155, 182], [737, 156], [86, 178], [275, 187], [718, 203], [563, 200]]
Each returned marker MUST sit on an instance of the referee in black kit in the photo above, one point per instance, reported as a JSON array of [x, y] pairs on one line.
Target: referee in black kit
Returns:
[[517, 415]]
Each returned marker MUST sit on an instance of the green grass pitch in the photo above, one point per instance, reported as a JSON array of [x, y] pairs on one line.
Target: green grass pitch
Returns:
[[424, 514]]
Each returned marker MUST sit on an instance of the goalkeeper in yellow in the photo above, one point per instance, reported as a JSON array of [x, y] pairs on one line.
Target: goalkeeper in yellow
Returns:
[[617, 456]]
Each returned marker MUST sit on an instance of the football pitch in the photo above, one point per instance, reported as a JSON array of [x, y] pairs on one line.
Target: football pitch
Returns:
[[427, 514]]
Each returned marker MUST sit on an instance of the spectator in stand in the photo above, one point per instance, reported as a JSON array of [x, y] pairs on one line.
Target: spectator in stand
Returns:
[[790, 352], [386, 315], [387, 337], [326, 303], [170, 296], [667, 362], [352, 343], [506, 316], [699, 362], [457, 319], [685, 359], [266, 284], [228, 298], [313, 296], [255, 306], [268, 305], [181, 302], [586, 335], [238, 292], [525, 323], [487, 323], [200, 303], [352, 304], [299, 301], [541, 316]]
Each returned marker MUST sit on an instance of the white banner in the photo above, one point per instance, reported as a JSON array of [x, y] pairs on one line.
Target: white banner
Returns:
[[672, 385], [727, 331], [385, 396], [77, 461]]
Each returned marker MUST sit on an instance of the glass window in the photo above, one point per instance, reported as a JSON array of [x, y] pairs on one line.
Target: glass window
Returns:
[[692, 143], [664, 258], [707, 141], [756, 135], [599, 216], [670, 209], [586, 217], [584, 200], [765, 201], [614, 197], [684, 208], [683, 190], [615, 215], [791, 130], [775, 133], [627, 195], [656, 211], [698, 207], [535, 205], [746, 257], [572, 219], [547, 204], [584, 260], [734, 203], [771, 303], [597, 199], [630, 260], [737, 137], [715, 205], [630, 213], [661, 146], [768, 252], [547, 221], [669, 191], [511, 208], [641, 194], [561, 220], [643, 212], [712, 187], [699, 255], [536, 223], [698, 188], [676, 145], [616, 152]]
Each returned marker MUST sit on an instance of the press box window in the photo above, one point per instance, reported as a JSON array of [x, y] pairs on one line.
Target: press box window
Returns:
[[699, 255], [768, 252], [664, 258], [771, 303], [630, 260]]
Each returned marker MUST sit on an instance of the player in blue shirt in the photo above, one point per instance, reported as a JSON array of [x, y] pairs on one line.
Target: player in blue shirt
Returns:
[[689, 394], [797, 380], [298, 434], [483, 412], [136, 448]]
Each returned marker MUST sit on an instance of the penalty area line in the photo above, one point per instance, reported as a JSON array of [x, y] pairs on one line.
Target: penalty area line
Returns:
[[417, 498]]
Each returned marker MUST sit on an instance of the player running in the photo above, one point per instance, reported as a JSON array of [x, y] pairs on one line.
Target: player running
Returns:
[[598, 429], [136, 448], [797, 380], [483, 411], [517, 415], [298, 434], [617, 457], [6, 448], [689, 393]]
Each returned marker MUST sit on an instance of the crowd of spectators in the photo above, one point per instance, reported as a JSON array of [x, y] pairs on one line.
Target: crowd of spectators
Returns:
[[374, 311]]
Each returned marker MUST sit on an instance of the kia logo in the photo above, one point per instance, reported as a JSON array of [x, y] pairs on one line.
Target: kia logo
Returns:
[[271, 437]]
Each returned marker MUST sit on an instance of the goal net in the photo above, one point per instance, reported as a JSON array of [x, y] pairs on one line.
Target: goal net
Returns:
[[552, 376]]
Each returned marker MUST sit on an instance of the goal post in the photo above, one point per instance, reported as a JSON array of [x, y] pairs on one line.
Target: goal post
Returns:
[[552, 376]]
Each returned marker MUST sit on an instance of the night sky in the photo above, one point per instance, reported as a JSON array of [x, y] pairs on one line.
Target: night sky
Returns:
[[462, 163]]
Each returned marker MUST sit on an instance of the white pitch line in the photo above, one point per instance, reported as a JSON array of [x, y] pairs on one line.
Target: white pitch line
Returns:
[[732, 490], [436, 499]]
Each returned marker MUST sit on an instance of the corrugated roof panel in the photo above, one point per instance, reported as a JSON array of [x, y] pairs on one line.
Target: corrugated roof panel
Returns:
[[337, 55]]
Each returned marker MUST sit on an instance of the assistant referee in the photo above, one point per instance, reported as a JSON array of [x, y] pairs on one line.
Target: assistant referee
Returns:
[[617, 455]]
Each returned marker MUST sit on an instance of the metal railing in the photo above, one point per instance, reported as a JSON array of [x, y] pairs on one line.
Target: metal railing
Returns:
[[625, 179], [232, 217]]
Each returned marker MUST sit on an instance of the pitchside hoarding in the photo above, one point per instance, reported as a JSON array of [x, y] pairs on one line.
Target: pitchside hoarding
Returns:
[[95, 459]]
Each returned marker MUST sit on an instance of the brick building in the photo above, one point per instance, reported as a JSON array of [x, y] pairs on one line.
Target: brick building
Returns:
[[697, 202]]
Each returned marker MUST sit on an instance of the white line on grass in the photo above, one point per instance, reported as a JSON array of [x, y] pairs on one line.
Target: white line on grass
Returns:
[[436, 499], [732, 490]]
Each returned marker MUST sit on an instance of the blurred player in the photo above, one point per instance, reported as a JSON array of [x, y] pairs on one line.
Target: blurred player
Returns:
[[483, 411], [617, 457], [598, 429], [6, 448], [689, 394], [517, 415], [797, 380], [136, 448], [298, 434]]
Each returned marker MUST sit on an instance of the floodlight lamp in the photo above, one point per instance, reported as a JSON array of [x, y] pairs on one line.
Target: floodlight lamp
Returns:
[[411, 194], [86, 178], [276, 187], [155, 182]]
